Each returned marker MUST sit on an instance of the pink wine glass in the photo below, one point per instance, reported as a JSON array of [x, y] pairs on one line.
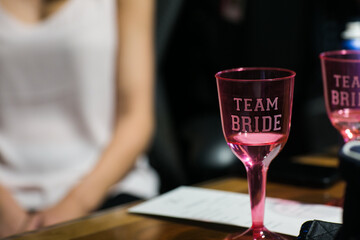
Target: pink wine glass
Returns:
[[255, 107], [341, 73]]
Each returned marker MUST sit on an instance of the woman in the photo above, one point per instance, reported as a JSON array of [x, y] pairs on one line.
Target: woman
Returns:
[[76, 107]]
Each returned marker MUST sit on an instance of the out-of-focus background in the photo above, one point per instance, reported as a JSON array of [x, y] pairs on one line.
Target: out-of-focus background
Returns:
[[196, 39]]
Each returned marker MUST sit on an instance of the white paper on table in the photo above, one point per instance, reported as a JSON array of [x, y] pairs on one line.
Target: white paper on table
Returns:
[[194, 203]]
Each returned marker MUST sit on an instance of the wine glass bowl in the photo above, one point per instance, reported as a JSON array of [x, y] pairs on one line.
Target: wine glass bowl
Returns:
[[255, 108], [340, 74]]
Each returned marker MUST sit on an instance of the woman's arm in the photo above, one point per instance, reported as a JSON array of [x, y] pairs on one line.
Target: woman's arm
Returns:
[[135, 121]]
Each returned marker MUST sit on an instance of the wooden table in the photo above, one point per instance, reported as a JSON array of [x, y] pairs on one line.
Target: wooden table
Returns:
[[116, 223]]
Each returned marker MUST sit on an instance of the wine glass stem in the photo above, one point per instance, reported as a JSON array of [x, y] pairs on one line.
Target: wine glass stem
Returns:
[[256, 175]]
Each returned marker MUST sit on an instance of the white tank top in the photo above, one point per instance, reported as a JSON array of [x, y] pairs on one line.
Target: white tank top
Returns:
[[57, 102]]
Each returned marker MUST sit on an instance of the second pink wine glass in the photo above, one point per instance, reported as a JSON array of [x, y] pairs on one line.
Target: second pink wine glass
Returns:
[[255, 107], [341, 73]]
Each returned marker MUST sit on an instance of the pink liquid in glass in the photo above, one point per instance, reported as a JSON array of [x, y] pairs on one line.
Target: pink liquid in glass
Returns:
[[347, 122], [256, 148]]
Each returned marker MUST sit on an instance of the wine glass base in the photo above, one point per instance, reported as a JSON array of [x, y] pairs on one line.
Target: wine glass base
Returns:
[[255, 234]]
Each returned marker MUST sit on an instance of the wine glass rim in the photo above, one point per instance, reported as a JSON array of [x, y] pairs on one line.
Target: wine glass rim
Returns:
[[330, 55], [243, 69]]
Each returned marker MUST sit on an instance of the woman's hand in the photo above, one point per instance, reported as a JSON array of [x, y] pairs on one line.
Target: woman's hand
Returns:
[[68, 209], [13, 218]]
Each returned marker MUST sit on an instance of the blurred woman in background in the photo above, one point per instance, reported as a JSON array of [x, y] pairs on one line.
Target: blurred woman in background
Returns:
[[76, 108]]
